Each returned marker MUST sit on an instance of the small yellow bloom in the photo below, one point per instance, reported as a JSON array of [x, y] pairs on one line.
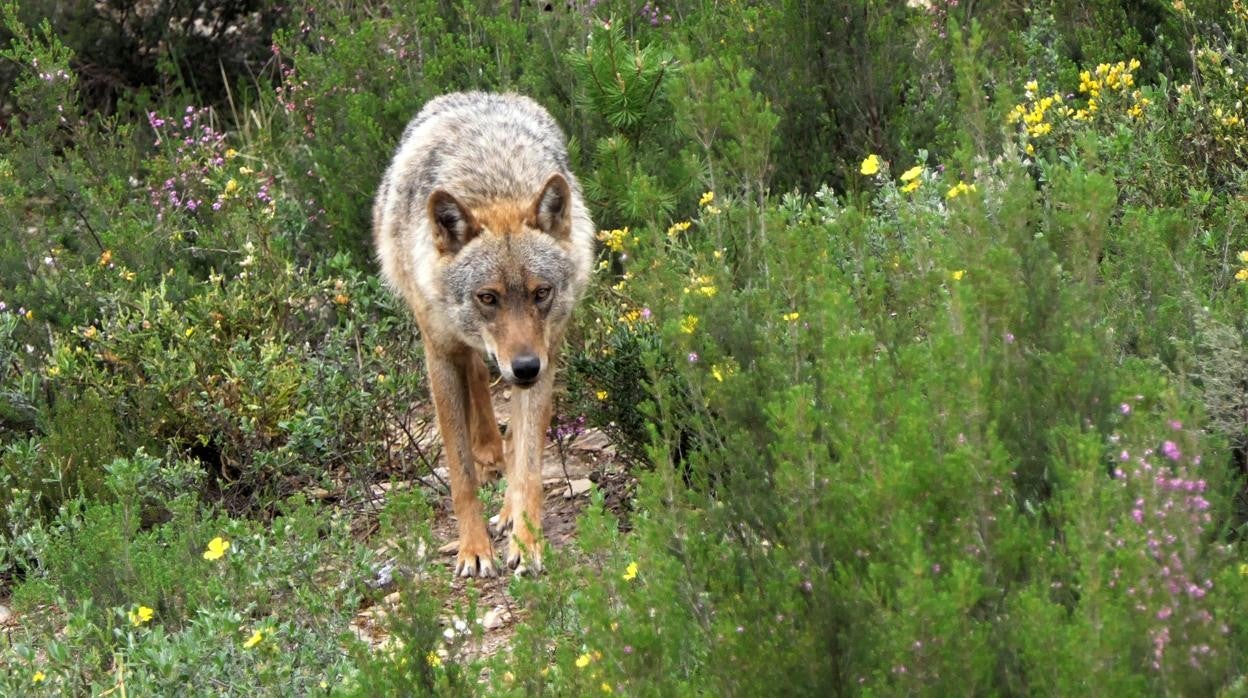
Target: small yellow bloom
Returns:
[[254, 640], [871, 165], [717, 374], [959, 189], [38, 677], [90, 332], [30, 315], [678, 228], [583, 661], [957, 274], [689, 324], [105, 257], [140, 616], [433, 660], [631, 572], [601, 395], [914, 184], [912, 173], [1032, 86], [1243, 569], [1241, 275], [230, 154], [189, 331], [216, 548], [342, 299], [231, 187], [791, 317], [1243, 257], [706, 199], [606, 687]]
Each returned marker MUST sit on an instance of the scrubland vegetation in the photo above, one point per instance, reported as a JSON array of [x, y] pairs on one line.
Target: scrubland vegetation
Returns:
[[922, 326]]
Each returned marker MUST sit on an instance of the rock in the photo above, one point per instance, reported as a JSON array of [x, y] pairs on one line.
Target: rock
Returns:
[[496, 618], [576, 488]]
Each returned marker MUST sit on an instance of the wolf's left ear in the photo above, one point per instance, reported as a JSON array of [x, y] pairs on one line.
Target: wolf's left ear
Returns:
[[551, 211]]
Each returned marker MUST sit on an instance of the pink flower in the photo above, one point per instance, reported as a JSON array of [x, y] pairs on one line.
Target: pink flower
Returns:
[[1171, 450]]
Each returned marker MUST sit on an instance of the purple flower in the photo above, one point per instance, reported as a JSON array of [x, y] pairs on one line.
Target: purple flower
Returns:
[[693, 357], [1124, 408], [1171, 450]]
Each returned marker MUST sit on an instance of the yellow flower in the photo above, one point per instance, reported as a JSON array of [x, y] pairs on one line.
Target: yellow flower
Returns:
[[1241, 275], [791, 317], [1243, 256], [959, 189], [957, 274], [30, 315], [140, 616], [677, 228], [706, 199], [631, 572], [230, 154], [231, 187], [871, 165], [90, 332], [342, 299], [38, 677], [1032, 86], [583, 661], [433, 660], [189, 331], [1243, 569], [601, 395], [911, 173], [216, 548], [105, 257], [254, 640], [606, 687], [717, 374], [914, 184], [614, 240], [689, 324]]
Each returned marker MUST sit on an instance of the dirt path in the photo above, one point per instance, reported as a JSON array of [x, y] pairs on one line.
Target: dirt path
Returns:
[[588, 460]]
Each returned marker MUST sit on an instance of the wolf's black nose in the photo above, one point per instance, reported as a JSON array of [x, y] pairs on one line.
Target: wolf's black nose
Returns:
[[526, 368]]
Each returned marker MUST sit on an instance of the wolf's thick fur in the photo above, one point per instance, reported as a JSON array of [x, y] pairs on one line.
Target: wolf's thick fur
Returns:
[[480, 226]]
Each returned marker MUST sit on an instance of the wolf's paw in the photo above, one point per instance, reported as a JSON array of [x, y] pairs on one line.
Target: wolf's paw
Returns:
[[501, 522], [524, 557], [475, 558]]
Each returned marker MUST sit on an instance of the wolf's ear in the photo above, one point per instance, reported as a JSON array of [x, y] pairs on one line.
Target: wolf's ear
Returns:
[[551, 209], [453, 224]]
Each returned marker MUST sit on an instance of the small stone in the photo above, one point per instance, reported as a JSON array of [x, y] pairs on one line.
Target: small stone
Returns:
[[576, 488], [496, 618]]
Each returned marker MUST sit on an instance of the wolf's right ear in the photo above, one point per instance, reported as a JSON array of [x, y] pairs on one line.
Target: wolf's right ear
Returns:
[[453, 224]]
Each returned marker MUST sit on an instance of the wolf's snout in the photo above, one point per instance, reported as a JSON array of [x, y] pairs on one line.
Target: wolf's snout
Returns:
[[526, 368]]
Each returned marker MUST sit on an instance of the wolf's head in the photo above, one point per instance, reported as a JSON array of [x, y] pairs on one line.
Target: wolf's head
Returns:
[[507, 275]]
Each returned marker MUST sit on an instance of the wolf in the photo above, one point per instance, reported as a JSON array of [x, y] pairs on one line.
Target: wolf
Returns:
[[480, 226]]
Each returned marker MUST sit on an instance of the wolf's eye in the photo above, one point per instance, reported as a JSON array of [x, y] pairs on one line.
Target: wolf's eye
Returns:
[[541, 294], [487, 298]]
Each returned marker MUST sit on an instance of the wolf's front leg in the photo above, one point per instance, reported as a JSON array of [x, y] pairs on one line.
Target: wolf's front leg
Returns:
[[530, 417], [448, 380]]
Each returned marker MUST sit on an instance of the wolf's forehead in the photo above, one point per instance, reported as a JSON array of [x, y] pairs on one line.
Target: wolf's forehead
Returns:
[[511, 260]]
